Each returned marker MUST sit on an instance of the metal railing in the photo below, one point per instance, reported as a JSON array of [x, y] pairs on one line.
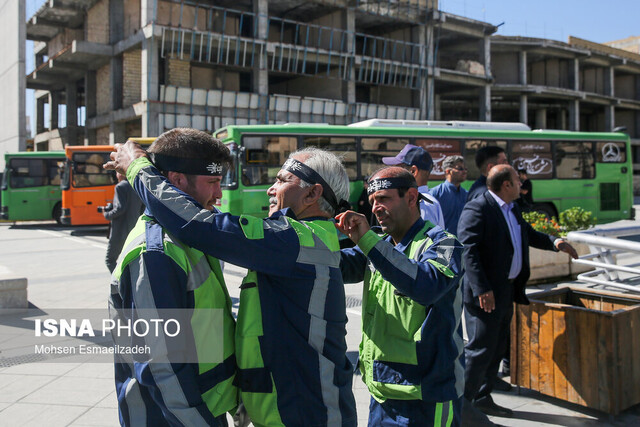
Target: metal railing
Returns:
[[608, 256]]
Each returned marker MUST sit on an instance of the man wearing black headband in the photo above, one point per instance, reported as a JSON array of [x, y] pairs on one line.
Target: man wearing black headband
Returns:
[[411, 350], [290, 335], [157, 272]]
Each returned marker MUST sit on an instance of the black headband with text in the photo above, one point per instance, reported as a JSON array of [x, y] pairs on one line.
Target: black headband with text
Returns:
[[188, 166]]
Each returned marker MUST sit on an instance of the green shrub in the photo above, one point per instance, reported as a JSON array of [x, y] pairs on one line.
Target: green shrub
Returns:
[[575, 219]]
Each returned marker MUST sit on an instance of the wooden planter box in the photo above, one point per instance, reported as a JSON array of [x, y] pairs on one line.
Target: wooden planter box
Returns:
[[579, 345]]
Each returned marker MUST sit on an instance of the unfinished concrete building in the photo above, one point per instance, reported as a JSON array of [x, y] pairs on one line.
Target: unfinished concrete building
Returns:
[[140, 67], [577, 85]]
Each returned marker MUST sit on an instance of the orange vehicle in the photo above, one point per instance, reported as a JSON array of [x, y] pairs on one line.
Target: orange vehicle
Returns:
[[86, 186]]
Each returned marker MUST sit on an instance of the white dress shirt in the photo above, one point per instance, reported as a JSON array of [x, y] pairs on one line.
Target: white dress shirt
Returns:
[[430, 211], [514, 231]]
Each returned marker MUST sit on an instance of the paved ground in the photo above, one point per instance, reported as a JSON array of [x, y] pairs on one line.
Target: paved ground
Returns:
[[65, 269]]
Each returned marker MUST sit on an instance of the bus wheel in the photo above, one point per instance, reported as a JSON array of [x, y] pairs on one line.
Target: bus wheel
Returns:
[[57, 213], [547, 209]]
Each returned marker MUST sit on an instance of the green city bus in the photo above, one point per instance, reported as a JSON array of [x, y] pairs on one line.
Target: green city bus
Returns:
[[589, 170], [31, 186]]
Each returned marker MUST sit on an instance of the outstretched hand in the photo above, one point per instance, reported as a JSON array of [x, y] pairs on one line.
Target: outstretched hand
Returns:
[[123, 155], [565, 247], [352, 224]]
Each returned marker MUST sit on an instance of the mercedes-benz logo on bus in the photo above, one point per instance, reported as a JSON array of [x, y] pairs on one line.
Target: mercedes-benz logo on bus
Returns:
[[611, 152]]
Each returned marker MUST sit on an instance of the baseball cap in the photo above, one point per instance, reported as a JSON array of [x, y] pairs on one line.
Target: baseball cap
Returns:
[[411, 155]]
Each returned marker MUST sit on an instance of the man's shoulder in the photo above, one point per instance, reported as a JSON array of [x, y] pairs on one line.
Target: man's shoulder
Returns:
[[439, 190]]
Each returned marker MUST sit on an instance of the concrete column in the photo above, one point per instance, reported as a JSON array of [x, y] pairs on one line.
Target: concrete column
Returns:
[[575, 75], [40, 115], [426, 94], [522, 67], [150, 86], [485, 51], [71, 90], [541, 118], [608, 81], [573, 108], [117, 133], [348, 24], [260, 74], [609, 90], [146, 11], [90, 94], [485, 92], [53, 110], [485, 104], [524, 109]]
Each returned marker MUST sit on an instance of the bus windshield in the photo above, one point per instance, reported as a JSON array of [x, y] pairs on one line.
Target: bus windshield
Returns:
[[88, 171], [229, 180]]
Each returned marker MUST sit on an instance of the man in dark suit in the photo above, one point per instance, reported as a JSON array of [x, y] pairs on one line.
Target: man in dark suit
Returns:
[[496, 256]]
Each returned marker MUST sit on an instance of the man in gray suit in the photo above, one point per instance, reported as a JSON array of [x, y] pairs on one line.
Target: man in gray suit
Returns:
[[123, 214]]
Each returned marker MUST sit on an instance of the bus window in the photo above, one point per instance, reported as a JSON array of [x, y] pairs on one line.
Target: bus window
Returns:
[[470, 148], [374, 149], [263, 157], [574, 160], [439, 149], [611, 152], [88, 171], [533, 156], [28, 173], [345, 147]]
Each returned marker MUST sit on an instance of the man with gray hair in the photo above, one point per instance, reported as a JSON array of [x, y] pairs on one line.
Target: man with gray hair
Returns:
[[450, 194], [292, 367]]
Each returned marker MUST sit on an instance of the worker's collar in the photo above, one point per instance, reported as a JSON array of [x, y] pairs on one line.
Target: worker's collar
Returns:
[[409, 235]]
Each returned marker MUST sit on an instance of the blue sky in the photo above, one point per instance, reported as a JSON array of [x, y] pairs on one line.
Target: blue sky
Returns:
[[593, 20]]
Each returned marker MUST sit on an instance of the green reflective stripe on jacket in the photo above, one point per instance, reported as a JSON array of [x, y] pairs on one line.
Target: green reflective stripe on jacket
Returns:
[[262, 405], [391, 327], [211, 298]]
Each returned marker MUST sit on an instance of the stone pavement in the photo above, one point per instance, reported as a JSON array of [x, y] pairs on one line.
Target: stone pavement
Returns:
[[65, 269]]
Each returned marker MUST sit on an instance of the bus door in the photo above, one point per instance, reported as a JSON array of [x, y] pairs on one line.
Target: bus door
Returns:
[[86, 186], [613, 173]]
